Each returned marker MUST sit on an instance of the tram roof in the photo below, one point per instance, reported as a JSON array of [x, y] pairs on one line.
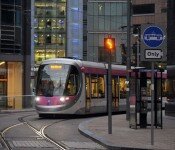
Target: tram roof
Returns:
[[82, 63]]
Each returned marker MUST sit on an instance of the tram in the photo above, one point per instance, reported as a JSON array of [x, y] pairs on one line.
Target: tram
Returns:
[[71, 86]]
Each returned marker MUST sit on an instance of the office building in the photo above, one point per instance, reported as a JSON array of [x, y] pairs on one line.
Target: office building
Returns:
[[57, 29], [77, 28], [146, 12], [15, 51]]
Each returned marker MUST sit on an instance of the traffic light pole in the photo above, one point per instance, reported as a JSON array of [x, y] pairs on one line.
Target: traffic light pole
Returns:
[[109, 95], [109, 45], [128, 58]]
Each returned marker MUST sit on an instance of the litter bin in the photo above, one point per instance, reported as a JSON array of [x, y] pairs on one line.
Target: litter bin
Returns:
[[143, 114]]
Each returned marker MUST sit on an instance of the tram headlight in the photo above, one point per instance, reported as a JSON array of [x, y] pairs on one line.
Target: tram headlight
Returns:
[[67, 98], [37, 99], [62, 99]]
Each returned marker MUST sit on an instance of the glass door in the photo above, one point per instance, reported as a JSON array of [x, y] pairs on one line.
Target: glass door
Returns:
[[3, 84]]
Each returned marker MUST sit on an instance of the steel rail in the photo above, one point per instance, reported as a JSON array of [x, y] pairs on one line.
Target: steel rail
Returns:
[[40, 133]]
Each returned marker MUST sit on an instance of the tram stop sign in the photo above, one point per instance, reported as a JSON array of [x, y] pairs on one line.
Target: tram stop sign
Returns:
[[153, 43]]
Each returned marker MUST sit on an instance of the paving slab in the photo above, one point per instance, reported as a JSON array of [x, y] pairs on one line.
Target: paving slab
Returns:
[[124, 137]]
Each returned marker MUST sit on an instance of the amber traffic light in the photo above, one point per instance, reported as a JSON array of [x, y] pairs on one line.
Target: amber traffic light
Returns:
[[109, 43]]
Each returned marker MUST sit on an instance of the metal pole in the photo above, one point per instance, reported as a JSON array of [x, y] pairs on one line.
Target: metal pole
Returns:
[[152, 103], [118, 90], [128, 57], [138, 53], [161, 99], [109, 96], [138, 47]]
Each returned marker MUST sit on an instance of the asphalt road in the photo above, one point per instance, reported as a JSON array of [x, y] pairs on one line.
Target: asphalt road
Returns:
[[26, 131]]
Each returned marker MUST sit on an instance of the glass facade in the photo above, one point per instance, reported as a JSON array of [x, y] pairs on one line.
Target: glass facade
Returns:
[[170, 32], [11, 26], [105, 18], [12, 53], [75, 28], [50, 29]]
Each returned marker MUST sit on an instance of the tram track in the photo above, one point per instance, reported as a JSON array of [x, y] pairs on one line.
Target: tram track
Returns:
[[2, 134], [40, 133]]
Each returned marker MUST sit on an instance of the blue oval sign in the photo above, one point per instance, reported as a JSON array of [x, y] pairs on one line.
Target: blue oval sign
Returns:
[[153, 36]]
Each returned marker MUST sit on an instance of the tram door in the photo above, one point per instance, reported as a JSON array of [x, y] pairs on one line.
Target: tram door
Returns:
[[88, 93], [115, 92]]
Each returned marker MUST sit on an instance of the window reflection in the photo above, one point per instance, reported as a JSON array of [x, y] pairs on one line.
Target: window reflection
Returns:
[[59, 80]]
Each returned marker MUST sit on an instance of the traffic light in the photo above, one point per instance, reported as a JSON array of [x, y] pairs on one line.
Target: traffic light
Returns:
[[109, 43]]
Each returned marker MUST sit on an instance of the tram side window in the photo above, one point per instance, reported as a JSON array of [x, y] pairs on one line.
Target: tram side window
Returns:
[[94, 87], [123, 87], [101, 86], [97, 86]]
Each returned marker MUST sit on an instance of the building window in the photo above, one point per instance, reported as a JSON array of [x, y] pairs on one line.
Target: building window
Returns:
[[50, 29], [11, 32], [7, 17], [103, 55], [143, 9]]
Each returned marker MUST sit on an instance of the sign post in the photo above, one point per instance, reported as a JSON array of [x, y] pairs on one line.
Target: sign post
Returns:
[[153, 49]]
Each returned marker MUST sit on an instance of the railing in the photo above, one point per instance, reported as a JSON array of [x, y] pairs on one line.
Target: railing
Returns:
[[18, 102]]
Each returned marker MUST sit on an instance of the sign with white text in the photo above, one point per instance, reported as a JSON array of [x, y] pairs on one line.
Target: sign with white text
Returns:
[[153, 43], [153, 54]]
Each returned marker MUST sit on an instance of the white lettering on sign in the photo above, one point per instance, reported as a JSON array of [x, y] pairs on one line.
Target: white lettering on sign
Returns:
[[153, 54]]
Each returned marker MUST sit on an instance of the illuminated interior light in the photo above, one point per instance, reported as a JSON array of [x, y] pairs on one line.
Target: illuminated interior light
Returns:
[[3, 62], [74, 8]]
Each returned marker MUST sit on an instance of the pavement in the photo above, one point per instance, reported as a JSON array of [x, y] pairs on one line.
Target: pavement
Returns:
[[125, 138]]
